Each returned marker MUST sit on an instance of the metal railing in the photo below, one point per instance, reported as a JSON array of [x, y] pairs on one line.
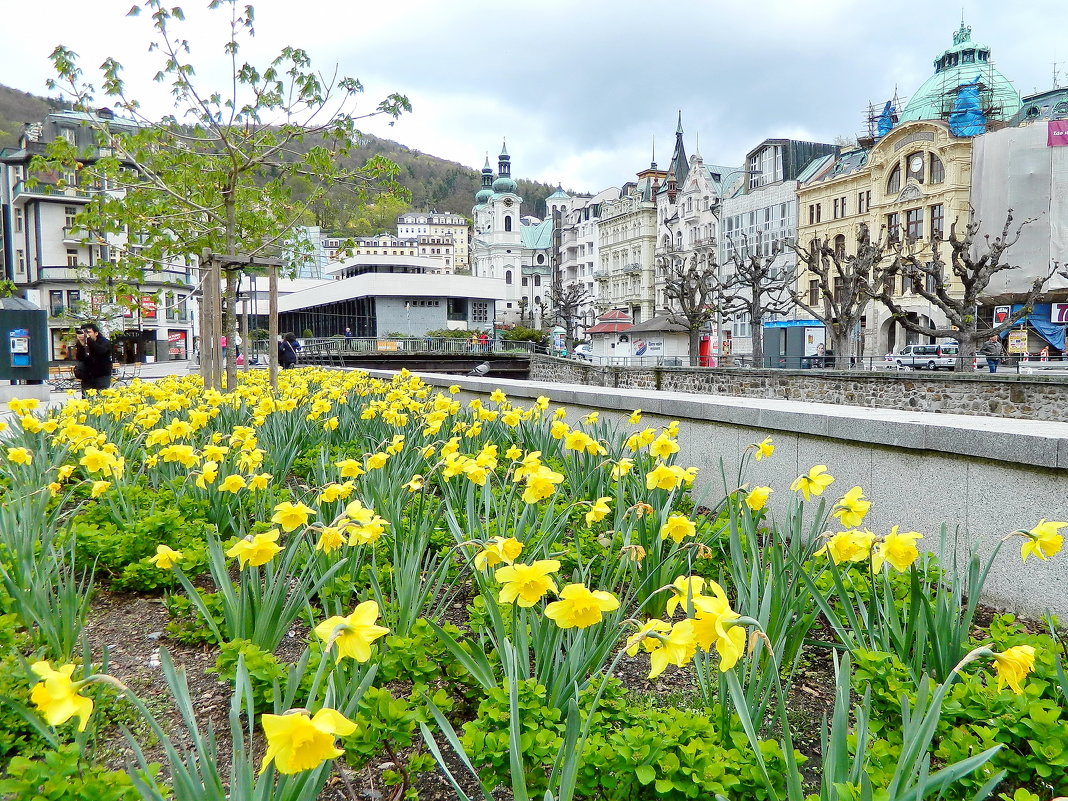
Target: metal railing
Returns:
[[334, 350]]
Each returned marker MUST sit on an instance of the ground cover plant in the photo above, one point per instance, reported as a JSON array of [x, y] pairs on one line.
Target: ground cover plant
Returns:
[[355, 587]]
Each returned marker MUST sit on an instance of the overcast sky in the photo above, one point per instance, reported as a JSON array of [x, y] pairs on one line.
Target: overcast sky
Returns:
[[580, 89]]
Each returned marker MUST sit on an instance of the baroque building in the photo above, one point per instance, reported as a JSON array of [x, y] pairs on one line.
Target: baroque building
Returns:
[[512, 247]]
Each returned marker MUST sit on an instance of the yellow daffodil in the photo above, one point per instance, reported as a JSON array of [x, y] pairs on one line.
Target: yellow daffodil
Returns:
[[678, 648], [541, 484], [621, 468], [677, 527], [598, 511], [259, 481], [454, 389], [814, 483], [99, 488], [642, 637], [499, 550], [897, 549], [1043, 540], [712, 618], [683, 590], [19, 456], [662, 477], [415, 484], [849, 546], [1013, 664], [23, 406], [663, 446], [498, 396], [352, 636], [209, 472], [297, 742], [55, 488], [256, 550], [591, 418], [56, 695], [330, 539], [757, 498], [376, 461], [526, 584], [232, 483], [852, 508], [291, 515], [635, 417], [580, 607], [350, 468], [165, 557], [764, 449]]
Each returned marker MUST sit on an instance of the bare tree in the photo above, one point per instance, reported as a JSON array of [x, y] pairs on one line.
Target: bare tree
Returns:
[[758, 287], [568, 304], [692, 288], [972, 265], [842, 285]]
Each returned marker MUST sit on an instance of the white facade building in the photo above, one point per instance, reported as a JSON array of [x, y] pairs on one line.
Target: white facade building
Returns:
[[577, 258], [441, 226]]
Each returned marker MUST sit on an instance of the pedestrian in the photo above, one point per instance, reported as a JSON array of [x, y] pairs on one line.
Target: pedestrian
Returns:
[[94, 355], [994, 352], [222, 344], [348, 333], [238, 342], [483, 342], [287, 351], [472, 342]]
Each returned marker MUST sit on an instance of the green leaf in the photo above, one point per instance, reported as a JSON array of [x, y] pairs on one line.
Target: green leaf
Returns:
[[645, 773]]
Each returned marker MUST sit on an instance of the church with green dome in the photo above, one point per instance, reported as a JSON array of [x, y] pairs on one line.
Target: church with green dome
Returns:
[[962, 65]]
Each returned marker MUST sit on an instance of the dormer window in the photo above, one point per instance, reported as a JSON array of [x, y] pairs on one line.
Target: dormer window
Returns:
[[967, 57]]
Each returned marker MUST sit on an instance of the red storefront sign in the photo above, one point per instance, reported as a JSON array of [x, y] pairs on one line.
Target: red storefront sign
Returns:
[[176, 343], [148, 307], [1058, 133]]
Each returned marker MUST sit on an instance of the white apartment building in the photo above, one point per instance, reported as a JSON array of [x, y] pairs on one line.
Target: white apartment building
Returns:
[[577, 257], [53, 263], [626, 239], [441, 225]]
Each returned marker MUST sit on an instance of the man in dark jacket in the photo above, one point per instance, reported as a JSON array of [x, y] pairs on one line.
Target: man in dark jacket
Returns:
[[94, 356]]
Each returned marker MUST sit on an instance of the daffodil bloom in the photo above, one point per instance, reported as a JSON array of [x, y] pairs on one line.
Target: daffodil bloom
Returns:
[[683, 590], [256, 550], [31, 424], [376, 461], [331, 424], [814, 483], [599, 511], [56, 696], [642, 639], [763, 449], [291, 515], [165, 557], [1043, 540], [259, 481], [20, 456], [55, 488], [350, 468], [852, 508], [1013, 664], [663, 446], [297, 742], [662, 477], [512, 453], [64, 472], [352, 636], [454, 389], [591, 418], [530, 464], [99, 488], [635, 417], [208, 474], [580, 607], [677, 527], [897, 549], [541, 484], [757, 498], [712, 618], [634, 552], [415, 484], [232, 483], [215, 453], [526, 584], [499, 550], [23, 406], [849, 546], [329, 540], [333, 492], [498, 396], [512, 418], [559, 429], [676, 649], [367, 533]]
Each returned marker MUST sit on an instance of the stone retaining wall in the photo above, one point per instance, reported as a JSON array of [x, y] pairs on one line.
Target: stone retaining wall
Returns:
[[1026, 397]]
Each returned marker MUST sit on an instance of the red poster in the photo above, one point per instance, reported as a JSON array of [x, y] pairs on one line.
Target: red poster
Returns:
[[1058, 133], [148, 307]]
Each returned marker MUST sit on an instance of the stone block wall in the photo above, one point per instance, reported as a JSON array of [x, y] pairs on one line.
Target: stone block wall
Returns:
[[1026, 397]]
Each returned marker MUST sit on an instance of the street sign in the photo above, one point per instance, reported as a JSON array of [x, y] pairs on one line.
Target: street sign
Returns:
[[1001, 314], [1058, 313]]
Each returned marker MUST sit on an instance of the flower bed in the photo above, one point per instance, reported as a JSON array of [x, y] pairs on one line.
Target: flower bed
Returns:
[[404, 593]]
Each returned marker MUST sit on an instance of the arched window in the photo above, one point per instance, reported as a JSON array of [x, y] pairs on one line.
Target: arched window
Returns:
[[938, 170], [678, 240], [915, 166], [839, 246], [508, 276], [893, 183], [667, 241], [508, 222], [537, 280]]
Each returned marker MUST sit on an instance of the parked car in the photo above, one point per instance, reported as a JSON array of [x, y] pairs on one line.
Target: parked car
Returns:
[[584, 351], [943, 356]]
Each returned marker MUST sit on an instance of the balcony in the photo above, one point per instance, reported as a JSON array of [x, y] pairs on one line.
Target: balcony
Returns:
[[74, 236], [632, 269], [62, 273], [601, 275], [47, 191]]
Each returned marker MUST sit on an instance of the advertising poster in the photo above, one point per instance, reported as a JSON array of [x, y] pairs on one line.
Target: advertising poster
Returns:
[[1018, 341]]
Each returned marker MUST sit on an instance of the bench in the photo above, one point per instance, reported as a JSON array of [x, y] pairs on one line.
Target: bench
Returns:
[[125, 373], [61, 378]]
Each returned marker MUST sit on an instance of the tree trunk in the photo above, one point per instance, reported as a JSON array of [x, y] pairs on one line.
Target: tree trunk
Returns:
[[758, 342], [695, 346]]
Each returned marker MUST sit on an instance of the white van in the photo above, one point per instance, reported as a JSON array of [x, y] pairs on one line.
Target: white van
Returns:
[[928, 357]]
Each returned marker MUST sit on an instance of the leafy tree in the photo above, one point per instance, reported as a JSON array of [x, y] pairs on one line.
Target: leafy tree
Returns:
[[971, 265], [758, 287], [845, 284], [692, 289], [218, 174], [567, 307]]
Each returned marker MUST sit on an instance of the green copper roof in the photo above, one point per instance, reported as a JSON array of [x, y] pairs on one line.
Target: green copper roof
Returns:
[[538, 236], [958, 65], [558, 193]]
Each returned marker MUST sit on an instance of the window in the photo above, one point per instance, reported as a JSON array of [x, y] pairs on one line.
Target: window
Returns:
[[839, 246], [479, 311], [741, 326], [836, 214], [68, 215], [860, 203], [819, 208], [526, 281], [914, 224], [20, 262], [508, 222], [893, 227], [839, 288], [813, 292], [914, 164], [508, 277], [937, 221], [55, 302], [73, 299], [18, 221], [893, 183], [938, 170], [72, 257], [537, 280]]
